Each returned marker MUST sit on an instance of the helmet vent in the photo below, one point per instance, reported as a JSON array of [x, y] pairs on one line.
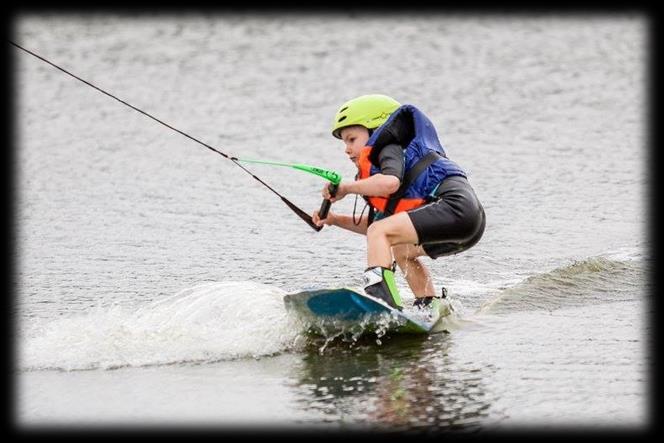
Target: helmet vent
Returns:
[[342, 118], [343, 109]]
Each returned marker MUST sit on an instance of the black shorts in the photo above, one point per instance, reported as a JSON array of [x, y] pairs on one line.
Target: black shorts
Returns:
[[453, 222]]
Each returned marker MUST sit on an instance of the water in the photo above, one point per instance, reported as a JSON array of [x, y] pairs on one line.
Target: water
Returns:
[[150, 270]]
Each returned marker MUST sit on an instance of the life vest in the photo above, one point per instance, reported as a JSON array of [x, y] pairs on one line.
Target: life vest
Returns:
[[426, 164]]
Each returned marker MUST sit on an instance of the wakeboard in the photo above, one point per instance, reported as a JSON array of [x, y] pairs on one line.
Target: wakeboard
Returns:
[[329, 310]]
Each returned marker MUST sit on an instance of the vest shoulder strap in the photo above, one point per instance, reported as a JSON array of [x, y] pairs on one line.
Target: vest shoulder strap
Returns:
[[409, 178]]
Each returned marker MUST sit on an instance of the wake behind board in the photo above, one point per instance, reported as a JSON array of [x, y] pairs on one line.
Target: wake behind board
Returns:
[[346, 309]]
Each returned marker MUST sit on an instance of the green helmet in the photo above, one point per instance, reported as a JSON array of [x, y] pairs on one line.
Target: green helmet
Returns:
[[369, 111]]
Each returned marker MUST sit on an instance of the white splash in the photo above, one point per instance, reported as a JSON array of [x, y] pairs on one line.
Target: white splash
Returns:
[[208, 322]]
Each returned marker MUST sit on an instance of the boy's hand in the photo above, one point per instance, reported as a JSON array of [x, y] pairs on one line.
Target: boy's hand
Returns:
[[329, 220], [341, 193]]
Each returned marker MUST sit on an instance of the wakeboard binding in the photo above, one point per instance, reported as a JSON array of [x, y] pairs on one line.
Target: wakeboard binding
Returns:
[[379, 283]]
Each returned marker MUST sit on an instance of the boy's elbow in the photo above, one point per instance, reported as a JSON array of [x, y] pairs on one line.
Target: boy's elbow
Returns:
[[392, 184]]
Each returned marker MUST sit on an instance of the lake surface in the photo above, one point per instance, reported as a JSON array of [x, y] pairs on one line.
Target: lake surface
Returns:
[[150, 271]]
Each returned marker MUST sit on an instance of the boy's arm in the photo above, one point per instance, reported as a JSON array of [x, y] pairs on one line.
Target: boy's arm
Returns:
[[346, 222]]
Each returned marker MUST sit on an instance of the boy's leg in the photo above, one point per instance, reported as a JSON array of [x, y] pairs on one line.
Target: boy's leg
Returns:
[[385, 233], [417, 275], [381, 236]]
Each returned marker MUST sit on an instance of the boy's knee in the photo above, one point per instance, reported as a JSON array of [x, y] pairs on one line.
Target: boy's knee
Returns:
[[375, 230]]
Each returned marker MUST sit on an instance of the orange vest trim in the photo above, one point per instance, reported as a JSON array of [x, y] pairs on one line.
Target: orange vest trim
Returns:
[[379, 203]]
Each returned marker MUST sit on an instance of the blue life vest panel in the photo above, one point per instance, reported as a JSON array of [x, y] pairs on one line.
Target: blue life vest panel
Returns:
[[418, 137]]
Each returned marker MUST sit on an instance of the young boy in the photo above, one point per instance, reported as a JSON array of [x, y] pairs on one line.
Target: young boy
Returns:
[[420, 202]]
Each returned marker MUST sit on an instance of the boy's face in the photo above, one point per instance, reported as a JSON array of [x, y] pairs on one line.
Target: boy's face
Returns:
[[355, 138]]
